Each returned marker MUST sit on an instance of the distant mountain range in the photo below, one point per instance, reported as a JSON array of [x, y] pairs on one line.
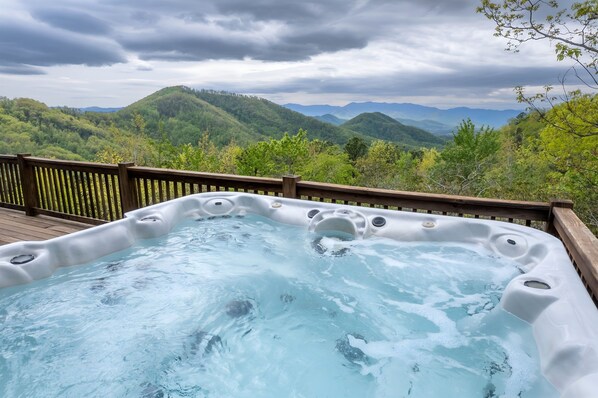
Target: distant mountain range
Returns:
[[383, 127], [184, 114], [438, 121], [98, 109], [328, 118]]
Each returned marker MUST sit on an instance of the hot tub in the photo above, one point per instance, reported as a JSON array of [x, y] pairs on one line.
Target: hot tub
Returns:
[[384, 335]]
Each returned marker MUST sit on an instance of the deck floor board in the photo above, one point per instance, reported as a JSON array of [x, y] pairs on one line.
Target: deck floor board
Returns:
[[15, 226]]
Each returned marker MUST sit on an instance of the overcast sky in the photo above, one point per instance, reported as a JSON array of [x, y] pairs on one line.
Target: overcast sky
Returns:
[[113, 52]]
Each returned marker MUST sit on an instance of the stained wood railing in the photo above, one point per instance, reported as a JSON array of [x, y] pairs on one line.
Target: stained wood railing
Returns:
[[96, 193], [581, 244], [11, 193]]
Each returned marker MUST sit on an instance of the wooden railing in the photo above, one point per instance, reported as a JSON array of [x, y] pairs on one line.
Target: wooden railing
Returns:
[[11, 193], [581, 244], [96, 193]]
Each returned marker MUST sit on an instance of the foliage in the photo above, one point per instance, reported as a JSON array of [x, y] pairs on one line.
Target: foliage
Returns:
[[465, 161], [29, 126], [574, 158], [574, 32], [356, 148], [382, 127], [275, 157], [330, 167], [377, 168], [528, 159]]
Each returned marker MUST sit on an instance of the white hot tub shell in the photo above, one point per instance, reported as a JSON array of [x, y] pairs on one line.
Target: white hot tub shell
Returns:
[[548, 295]]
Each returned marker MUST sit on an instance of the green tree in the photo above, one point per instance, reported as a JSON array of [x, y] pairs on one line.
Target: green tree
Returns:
[[254, 160], [287, 155], [356, 148], [290, 153], [575, 157], [329, 167], [378, 167], [464, 161], [572, 28]]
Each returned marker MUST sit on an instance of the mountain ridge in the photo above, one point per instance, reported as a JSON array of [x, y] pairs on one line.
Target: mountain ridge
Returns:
[[184, 114], [383, 127], [411, 112]]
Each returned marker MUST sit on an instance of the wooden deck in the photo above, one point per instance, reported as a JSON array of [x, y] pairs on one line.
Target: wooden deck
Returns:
[[15, 226]]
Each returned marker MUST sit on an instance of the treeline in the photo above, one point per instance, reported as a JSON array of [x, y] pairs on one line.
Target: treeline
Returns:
[[531, 158]]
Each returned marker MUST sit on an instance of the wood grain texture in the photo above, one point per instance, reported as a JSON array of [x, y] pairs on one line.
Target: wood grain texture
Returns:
[[581, 244], [16, 226]]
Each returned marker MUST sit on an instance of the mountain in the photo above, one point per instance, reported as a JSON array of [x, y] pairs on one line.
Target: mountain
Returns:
[[29, 126], [183, 117], [98, 109], [433, 127], [179, 115], [450, 117], [328, 118], [185, 114], [383, 127], [270, 119]]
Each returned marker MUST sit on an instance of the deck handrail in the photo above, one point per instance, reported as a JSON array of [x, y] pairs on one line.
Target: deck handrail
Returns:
[[96, 193]]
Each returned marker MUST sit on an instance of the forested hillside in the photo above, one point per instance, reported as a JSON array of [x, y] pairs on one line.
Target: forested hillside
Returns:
[[531, 158], [178, 115], [383, 127], [27, 125]]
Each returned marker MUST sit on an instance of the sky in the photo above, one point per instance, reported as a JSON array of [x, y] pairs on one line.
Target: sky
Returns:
[[111, 53]]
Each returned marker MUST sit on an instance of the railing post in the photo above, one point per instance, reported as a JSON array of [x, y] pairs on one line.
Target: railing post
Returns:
[[28, 184], [568, 204], [127, 202], [289, 186]]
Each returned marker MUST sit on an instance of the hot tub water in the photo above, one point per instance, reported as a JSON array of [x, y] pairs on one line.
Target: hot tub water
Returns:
[[248, 307]]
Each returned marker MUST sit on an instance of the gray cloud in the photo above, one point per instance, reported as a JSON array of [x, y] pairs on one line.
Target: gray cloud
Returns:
[[198, 45], [268, 30], [479, 81], [288, 11], [11, 69], [76, 21], [23, 46], [437, 48]]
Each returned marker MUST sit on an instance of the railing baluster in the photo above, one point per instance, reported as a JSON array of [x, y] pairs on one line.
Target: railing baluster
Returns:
[[97, 204], [105, 188], [57, 191], [90, 195], [82, 194], [12, 183], [73, 194], [10, 187], [50, 192], [3, 185], [140, 192], [39, 182], [160, 190], [147, 190], [118, 210]]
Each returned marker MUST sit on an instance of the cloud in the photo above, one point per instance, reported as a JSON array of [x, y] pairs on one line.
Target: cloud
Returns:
[[75, 21], [474, 81], [272, 30], [23, 46], [269, 30], [13, 69], [350, 49], [288, 11], [267, 42]]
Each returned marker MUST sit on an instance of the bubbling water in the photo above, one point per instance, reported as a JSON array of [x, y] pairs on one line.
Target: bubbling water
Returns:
[[230, 307]]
